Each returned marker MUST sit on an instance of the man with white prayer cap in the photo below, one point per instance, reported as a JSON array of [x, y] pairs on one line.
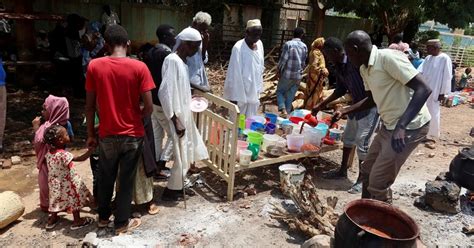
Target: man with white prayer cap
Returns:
[[175, 98], [244, 80], [196, 69], [437, 70]]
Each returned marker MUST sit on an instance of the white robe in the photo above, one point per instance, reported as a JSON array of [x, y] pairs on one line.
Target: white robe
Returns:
[[244, 80], [437, 71], [175, 98]]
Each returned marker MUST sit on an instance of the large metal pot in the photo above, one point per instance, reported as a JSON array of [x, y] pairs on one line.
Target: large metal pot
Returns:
[[371, 223], [461, 169]]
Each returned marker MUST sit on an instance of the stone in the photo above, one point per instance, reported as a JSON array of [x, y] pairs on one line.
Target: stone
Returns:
[[90, 240], [443, 196], [420, 202], [7, 164], [431, 155], [318, 241], [16, 160]]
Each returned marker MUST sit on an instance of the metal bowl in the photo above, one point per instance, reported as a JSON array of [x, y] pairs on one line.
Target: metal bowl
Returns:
[[275, 151]]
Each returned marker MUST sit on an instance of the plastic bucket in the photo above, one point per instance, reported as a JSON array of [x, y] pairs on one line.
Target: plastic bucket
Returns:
[[255, 138], [273, 117], [323, 128], [269, 140], [260, 119], [295, 142], [245, 157], [312, 136], [241, 145], [270, 128], [296, 119], [294, 172], [336, 134], [257, 126], [255, 149], [311, 120], [248, 123]]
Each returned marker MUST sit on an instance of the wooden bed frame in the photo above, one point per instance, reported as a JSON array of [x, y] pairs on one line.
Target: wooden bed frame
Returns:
[[220, 136]]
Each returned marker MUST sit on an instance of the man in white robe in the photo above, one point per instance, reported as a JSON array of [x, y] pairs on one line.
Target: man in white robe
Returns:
[[175, 98], [437, 70], [244, 80]]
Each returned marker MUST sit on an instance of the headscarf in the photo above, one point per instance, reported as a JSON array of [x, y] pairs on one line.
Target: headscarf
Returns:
[[318, 43], [188, 34], [58, 109], [402, 46]]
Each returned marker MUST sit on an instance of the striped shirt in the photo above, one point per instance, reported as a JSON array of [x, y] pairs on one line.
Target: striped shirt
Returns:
[[293, 59], [348, 80]]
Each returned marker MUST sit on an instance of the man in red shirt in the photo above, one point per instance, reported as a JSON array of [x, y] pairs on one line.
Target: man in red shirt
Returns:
[[115, 85]]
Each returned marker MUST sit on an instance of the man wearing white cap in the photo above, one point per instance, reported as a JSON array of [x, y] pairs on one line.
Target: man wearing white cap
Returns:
[[244, 80], [437, 70], [196, 69], [175, 98]]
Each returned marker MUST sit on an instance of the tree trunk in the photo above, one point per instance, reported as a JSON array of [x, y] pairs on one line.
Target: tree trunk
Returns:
[[318, 18]]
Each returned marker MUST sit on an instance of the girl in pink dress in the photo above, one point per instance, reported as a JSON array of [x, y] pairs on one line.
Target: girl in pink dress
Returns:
[[67, 192]]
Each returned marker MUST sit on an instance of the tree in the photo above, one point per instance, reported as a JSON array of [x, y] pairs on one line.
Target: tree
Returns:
[[454, 13]]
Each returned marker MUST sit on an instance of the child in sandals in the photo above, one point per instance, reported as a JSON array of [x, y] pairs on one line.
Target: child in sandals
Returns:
[[67, 192]]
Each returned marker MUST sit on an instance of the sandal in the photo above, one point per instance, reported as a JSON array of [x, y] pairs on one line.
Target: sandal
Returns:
[[153, 209], [103, 223], [52, 225], [87, 221], [355, 189], [132, 224]]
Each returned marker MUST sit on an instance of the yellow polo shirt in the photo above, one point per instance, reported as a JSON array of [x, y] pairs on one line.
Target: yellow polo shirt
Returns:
[[385, 76]]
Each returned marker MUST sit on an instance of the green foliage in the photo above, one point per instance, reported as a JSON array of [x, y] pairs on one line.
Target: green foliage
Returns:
[[454, 13], [469, 31], [457, 41], [422, 37]]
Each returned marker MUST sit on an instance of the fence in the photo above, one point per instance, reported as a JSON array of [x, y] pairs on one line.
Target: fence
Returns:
[[463, 56]]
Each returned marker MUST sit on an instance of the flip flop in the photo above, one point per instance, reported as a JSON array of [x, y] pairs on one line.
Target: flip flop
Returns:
[[132, 224], [103, 224], [52, 226], [153, 209], [87, 221]]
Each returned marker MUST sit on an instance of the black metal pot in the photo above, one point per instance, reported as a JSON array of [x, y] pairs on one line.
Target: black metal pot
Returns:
[[461, 169], [371, 223]]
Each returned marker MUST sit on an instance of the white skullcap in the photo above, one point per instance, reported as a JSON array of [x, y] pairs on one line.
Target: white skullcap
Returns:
[[189, 34], [254, 23]]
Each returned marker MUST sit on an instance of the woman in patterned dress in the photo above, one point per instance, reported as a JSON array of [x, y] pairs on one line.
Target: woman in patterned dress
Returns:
[[317, 74], [67, 192]]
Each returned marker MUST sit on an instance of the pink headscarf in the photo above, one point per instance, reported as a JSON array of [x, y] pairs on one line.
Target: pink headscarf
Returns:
[[402, 46], [58, 109]]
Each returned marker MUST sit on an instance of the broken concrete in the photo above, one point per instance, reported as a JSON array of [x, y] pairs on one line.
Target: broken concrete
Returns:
[[16, 160], [6, 164], [90, 240], [443, 196]]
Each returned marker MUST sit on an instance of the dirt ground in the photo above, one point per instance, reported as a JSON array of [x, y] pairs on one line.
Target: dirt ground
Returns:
[[209, 221]]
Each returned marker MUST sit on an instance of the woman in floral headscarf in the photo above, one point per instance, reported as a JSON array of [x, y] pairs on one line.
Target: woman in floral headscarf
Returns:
[[317, 74]]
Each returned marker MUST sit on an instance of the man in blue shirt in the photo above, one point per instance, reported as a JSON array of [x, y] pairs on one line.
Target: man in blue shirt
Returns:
[[360, 125], [290, 69], [3, 103]]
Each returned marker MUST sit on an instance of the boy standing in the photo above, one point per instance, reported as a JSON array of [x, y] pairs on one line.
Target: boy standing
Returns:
[[116, 83]]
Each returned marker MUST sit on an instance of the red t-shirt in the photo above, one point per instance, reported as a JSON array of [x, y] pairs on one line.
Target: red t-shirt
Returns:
[[118, 84]]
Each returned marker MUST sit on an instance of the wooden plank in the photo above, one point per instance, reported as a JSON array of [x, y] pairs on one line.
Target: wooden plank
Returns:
[[226, 151], [220, 148], [288, 157], [216, 170]]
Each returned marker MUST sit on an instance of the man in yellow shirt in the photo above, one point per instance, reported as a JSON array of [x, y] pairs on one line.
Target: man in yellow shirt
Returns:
[[400, 93]]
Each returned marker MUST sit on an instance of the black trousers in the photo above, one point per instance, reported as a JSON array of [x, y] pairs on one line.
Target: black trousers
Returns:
[[118, 161]]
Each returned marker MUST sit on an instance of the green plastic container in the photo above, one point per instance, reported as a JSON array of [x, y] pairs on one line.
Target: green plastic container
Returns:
[[255, 138], [255, 149], [242, 122]]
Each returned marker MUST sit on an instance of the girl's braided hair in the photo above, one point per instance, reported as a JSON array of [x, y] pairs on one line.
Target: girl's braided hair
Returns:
[[51, 134]]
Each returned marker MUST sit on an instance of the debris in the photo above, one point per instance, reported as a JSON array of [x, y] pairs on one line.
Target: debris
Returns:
[[443, 176], [245, 205], [7, 164], [314, 216], [223, 207], [16, 160], [318, 241], [187, 240], [416, 194], [431, 155], [251, 191], [443, 196], [90, 240], [468, 229]]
